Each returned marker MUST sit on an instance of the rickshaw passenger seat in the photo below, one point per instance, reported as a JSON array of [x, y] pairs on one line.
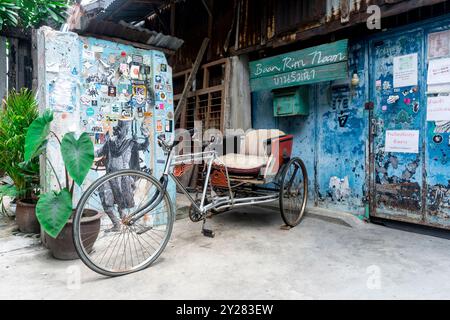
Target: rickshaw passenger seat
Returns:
[[257, 152]]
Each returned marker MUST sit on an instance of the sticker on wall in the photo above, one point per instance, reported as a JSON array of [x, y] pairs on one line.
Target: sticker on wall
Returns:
[[163, 67], [115, 109], [147, 60], [161, 96], [140, 112], [134, 71], [140, 90], [90, 112], [159, 126], [393, 99], [402, 141], [416, 107], [124, 69], [169, 125], [384, 108], [438, 108], [112, 91], [138, 59], [387, 85], [438, 139], [85, 100], [378, 85], [406, 70], [170, 115], [88, 55], [94, 103], [439, 71]]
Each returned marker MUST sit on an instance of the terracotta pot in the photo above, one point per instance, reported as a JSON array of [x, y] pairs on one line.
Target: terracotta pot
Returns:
[[63, 248], [26, 217]]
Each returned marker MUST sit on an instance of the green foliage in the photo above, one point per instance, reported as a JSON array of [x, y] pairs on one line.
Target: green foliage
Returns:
[[9, 13], [31, 13], [78, 156], [6, 190], [54, 210], [20, 111], [37, 134]]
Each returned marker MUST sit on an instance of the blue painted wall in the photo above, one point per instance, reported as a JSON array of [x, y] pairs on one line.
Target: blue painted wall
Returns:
[[334, 155], [333, 139]]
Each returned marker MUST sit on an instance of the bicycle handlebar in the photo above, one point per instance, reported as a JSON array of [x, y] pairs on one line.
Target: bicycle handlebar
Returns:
[[162, 139]]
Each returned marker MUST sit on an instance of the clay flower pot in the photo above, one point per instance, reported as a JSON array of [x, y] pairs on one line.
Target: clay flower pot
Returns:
[[62, 248], [26, 217]]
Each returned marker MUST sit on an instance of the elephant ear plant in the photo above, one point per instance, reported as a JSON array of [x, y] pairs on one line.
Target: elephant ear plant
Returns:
[[54, 208]]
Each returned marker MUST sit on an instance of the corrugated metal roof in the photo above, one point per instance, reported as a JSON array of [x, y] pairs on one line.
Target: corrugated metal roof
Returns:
[[131, 33], [131, 10]]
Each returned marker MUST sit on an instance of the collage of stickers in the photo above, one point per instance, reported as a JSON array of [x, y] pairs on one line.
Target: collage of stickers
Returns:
[[120, 95]]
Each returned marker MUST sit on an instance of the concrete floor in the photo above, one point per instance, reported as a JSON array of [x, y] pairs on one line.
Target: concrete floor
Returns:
[[329, 256]]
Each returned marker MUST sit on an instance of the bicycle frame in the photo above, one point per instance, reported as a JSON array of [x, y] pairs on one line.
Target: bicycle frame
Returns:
[[218, 203]]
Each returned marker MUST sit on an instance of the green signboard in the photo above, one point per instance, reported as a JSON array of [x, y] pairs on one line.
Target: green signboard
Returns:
[[323, 63]]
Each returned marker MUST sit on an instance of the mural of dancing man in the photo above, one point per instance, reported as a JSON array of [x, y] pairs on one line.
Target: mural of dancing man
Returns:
[[120, 152]]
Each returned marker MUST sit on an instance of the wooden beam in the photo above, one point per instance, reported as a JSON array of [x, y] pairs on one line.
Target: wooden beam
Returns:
[[210, 24], [34, 55], [173, 10], [182, 103], [13, 32], [161, 20]]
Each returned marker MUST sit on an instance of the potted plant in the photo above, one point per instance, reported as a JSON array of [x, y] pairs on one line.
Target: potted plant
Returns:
[[19, 112], [55, 208]]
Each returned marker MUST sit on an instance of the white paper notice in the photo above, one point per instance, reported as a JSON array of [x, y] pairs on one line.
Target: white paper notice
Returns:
[[438, 108], [402, 141], [406, 71], [439, 71]]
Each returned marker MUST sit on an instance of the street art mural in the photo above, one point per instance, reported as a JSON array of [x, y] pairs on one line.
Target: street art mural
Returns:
[[120, 95]]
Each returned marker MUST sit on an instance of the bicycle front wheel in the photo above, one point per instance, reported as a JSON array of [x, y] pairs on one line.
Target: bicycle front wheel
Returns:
[[105, 239]]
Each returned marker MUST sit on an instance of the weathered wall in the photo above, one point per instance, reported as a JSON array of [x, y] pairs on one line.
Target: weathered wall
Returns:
[[341, 125], [105, 88], [334, 139], [240, 100], [331, 141]]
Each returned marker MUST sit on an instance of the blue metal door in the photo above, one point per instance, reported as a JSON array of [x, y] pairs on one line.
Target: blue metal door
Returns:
[[437, 138], [397, 186]]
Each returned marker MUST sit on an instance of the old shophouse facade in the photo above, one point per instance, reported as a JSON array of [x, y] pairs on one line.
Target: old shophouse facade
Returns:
[[369, 113]]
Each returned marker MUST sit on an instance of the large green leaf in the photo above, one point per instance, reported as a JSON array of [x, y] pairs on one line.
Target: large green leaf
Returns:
[[78, 155], [37, 135], [53, 210]]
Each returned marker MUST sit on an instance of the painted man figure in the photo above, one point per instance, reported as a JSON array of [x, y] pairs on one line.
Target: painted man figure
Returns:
[[121, 153]]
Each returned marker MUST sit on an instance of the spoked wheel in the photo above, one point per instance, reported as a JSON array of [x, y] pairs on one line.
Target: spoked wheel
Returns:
[[293, 192], [113, 246]]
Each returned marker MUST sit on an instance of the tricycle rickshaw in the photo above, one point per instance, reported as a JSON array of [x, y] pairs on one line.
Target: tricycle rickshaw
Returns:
[[135, 230]]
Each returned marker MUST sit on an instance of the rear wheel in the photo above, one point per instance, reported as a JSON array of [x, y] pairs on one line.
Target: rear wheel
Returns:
[[293, 192], [115, 246]]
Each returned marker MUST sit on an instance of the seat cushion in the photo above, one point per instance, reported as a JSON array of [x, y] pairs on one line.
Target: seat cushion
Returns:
[[242, 164], [255, 141]]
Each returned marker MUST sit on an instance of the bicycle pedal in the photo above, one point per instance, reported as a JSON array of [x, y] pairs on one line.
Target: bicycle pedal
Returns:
[[208, 233], [144, 230]]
